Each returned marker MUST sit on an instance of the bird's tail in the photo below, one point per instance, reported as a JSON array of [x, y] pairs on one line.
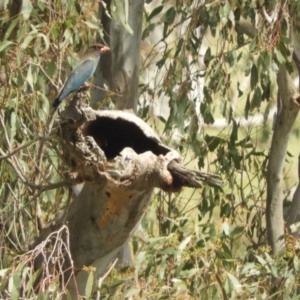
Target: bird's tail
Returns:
[[56, 103]]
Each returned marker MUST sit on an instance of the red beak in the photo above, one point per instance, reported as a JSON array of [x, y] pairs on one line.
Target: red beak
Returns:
[[104, 49]]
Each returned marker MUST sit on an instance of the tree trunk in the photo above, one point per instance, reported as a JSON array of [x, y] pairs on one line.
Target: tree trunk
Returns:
[[120, 71], [288, 107], [286, 115]]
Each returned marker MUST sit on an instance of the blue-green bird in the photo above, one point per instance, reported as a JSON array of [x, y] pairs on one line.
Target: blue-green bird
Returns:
[[82, 72]]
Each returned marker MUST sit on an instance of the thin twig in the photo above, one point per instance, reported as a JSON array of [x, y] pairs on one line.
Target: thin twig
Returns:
[[40, 157], [5, 133], [45, 73], [16, 150], [101, 279], [42, 188]]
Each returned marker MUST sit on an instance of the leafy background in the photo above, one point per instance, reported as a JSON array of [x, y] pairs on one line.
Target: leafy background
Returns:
[[196, 71]]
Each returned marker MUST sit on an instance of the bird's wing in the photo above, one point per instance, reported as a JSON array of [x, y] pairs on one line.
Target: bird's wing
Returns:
[[80, 74]]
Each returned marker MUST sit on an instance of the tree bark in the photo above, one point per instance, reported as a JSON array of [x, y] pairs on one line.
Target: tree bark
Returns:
[[288, 108], [294, 211], [120, 70]]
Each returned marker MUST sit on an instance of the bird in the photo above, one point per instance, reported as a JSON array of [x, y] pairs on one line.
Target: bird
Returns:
[[81, 72]]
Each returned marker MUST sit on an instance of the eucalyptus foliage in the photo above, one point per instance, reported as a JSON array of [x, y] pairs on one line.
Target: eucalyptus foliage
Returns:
[[199, 65]]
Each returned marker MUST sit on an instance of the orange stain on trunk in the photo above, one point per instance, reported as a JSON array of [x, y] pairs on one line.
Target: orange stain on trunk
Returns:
[[116, 204]]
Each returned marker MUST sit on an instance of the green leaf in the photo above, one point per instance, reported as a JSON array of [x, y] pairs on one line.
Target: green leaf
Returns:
[[32, 279], [247, 107], [89, 285], [206, 113], [3, 272], [126, 2], [235, 283], [230, 57], [169, 16], [42, 296], [213, 142], [51, 68], [12, 129], [256, 99], [237, 231], [207, 57], [225, 211], [249, 269], [148, 30], [14, 286], [296, 263], [4, 45], [155, 12], [92, 25], [161, 62], [27, 41], [138, 263], [234, 133], [182, 247], [162, 268], [26, 9], [279, 57], [11, 27], [29, 77], [178, 48], [132, 292], [46, 41], [261, 260], [254, 77], [165, 29], [221, 284], [253, 45], [225, 228], [231, 17], [22, 33], [234, 154]]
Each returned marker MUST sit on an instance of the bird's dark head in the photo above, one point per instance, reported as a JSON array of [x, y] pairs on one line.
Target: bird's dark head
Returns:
[[98, 48]]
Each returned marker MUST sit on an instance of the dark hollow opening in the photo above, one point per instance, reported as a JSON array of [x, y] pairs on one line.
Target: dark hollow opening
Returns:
[[113, 135]]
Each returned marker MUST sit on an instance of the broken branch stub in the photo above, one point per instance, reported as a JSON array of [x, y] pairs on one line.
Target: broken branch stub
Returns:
[[116, 149], [120, 149]]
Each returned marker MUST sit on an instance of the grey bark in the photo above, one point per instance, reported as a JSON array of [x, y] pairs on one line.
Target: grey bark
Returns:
[[288, 108], [120, 70], [294, 211], [2, 5]]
